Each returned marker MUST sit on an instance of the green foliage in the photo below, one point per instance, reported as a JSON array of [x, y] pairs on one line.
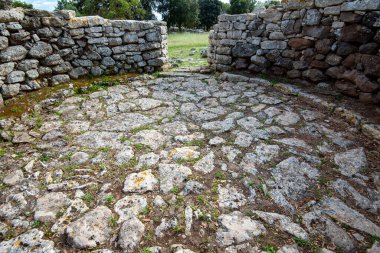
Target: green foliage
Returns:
[[67, 5], [44, 158], [270, 3], [181, 13], [114, 9], [241, 6], [22, 4], [270, 249], [220, 175], [301, 242], [2, 152], [209, 10], [146, 250]]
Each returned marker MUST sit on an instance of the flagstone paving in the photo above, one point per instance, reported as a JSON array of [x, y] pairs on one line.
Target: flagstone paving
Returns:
[[186, 163]]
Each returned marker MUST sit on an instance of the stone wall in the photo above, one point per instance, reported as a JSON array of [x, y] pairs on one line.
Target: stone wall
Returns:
[[39, 48], [317, 41]]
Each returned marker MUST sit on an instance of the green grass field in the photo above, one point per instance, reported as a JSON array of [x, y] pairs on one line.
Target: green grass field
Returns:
[[180, 45]]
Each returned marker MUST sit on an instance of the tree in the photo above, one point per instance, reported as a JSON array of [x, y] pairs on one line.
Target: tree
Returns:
[[181, 13], [112, 9], [22, 4], [226, 7], [242, 6], [67, 5], [5, 4], [209, 10], [149, 6], [270, 3]]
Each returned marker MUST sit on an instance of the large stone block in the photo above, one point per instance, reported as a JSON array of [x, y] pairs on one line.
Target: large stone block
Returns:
[[326, 3], [10, 90], [361, 5], [356, 33], [271, 15], [312, 17], [298, 4], [14, 53], [300, 43], [271, 44], [11, 16], [40, 50], [244, 50], [319, 32]]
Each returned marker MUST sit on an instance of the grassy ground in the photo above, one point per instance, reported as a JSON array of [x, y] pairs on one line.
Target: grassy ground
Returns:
[[180, 45]]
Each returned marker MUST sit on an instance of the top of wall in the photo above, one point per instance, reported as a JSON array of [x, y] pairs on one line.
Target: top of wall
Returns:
[[67, 18], [272, 14]]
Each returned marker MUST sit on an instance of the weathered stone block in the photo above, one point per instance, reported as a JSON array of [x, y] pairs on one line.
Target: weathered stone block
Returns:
[[14, 53], [300, 43], [11, 16], [361, 5], [244, 50], [40, 50], [326, 3], [270, 44], [312, 17]]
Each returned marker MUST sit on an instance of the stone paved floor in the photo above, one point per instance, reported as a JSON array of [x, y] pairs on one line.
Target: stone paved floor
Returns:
[[186, 163]]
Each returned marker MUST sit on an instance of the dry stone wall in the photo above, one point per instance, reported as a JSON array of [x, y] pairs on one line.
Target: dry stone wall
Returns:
[[317, 41], [39, 48]]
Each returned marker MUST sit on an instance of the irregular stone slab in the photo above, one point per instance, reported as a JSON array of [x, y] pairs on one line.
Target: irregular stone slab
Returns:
[[311, 115], [124, 155], [165, 225], [361, 5], [30, 241], [294, 178], [175, 128], [289, 249], [230, 152], [375, 248], [230, 197], [188, 220], [146, 104], [152, 138], [345, 190], [91, 230], [287, 118], [14, 53], [14, 178], [278, 198], [130, 234], [206, 164], [263, 154], [283, 223], [95, 139], [236, 228], [249, 123], [184, 154], [130, 206], [294, 142], [148, 160], [140, 182], [219, 126], [77, 126], [49, 205], [124, 122], [338, 210], [243, 139], [351, 162], [172, 175], [76, 208], [317, 224]]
